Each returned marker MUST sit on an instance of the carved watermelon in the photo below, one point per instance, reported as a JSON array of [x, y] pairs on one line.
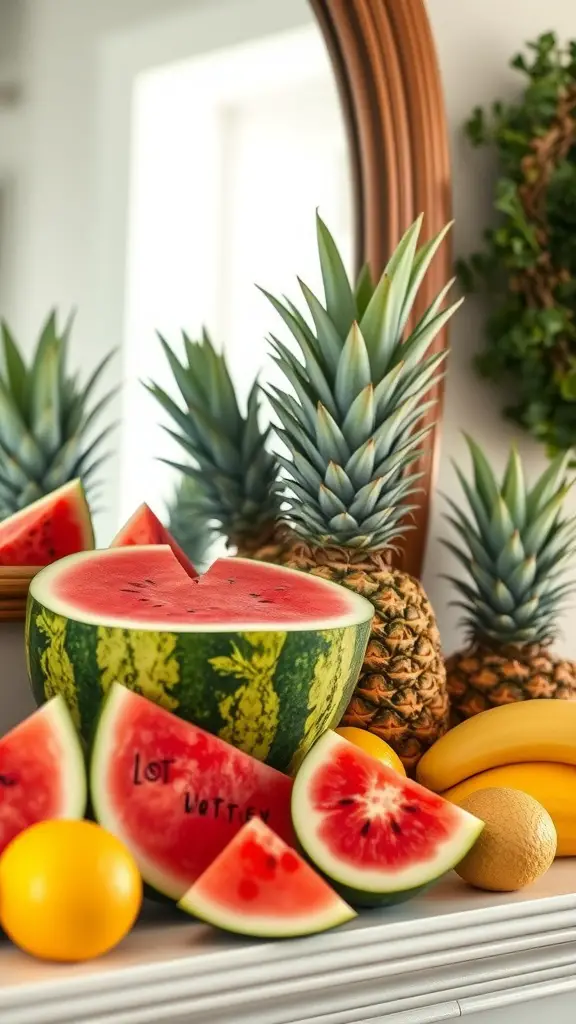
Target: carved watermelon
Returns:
[[379, 837], [144, 527], [258, 886], [174, 794], [263, 656], [42, 773], [54, 526]]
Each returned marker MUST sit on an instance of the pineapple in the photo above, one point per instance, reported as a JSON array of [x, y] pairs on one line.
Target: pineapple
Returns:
[[351, 426], [235, 475], [46, 420], [514, 546]]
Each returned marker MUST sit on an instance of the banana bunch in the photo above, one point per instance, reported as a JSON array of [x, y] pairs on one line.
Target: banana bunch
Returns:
[[529, 745]]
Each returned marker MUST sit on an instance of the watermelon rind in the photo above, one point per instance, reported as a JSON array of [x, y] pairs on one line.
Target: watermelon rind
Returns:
[[268, 688], [258, 926], [360, 885], [67, 756], [44, 589]]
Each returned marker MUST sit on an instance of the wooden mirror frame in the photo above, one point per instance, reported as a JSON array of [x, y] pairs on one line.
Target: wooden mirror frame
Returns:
[[387, 71]]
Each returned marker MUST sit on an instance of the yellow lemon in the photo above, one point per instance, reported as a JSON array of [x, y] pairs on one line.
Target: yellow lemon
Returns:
[[373, 745], [69, 890]]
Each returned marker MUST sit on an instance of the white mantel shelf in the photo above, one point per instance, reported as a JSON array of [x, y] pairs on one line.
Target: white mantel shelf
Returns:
[[451, 953]]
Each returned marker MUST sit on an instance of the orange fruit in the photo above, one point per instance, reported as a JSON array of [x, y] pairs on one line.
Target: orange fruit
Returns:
[[373, 745], [69, 890]]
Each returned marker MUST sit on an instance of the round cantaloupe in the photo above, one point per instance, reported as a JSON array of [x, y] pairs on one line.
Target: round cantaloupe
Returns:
[[517, 844]]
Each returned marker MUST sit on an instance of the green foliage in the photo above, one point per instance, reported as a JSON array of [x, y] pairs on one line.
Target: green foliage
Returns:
[[528, 262]]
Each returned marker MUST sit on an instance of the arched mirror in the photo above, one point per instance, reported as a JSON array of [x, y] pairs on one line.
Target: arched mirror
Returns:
[[159, 158]]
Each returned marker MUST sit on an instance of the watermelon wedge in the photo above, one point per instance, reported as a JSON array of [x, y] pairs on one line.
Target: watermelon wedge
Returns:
[[174, 794], [379, 837], [42, 773], [56, 525], [144, 527], [262, 656], [258, 886]]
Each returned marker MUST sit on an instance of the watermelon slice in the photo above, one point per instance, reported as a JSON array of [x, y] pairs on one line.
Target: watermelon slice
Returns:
[[379, 837], [174, 794], [42, 773], [144, 527], [263, 656], [56, 525], [258, 886]]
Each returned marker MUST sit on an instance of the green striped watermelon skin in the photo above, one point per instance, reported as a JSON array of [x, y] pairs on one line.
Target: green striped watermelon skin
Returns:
[[269, 693]]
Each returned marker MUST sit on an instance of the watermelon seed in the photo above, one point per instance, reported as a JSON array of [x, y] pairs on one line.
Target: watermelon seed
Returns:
[[151, 582], [271, 862], [409, 809], [128, 590], [346, 801], [157, 605], [254, 595], [280, 588], [365, 828], [395, 827]]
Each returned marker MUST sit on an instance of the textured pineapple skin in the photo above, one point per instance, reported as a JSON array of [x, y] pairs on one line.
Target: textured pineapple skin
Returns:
[[479, 678], [401, 694]]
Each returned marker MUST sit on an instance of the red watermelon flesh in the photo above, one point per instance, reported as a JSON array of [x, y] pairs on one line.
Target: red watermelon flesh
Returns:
[[56, 525], [144, 527], [42, 773], [174, 794], [378, 836], [258, 886], [148, 586]]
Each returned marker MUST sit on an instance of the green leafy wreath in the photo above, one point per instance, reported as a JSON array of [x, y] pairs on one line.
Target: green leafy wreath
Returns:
[[528, 263]]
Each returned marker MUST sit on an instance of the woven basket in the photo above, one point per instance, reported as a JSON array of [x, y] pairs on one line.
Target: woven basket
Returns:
[[14, 583]]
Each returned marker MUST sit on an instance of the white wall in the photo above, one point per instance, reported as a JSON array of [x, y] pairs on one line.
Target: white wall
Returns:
[[475, 42]]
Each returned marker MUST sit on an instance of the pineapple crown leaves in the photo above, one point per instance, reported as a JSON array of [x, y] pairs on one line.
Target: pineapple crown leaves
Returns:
[[47, 418], [234, 473], [512, 544], [357, 394]]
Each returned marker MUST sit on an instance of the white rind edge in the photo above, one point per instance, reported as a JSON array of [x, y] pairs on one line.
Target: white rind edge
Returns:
[[102, 750], [361, 610], [367, 881], [260, 927], [72, 763]]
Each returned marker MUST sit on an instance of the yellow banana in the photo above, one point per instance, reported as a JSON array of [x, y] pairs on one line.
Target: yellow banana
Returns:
[[552, 785], [529, 730]]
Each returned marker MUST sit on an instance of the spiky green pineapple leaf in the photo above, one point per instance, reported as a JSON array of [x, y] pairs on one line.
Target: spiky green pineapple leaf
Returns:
[[512, 590], [358, 404]]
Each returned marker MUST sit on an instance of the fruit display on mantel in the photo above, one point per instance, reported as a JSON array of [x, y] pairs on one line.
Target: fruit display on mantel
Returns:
[[517, 844], [42, 773], [527, 731], [235, 474], [47, 419], [352, 421], [514, 544], [174, 794], [260, 887], [261, 655], [56, 525], [379, 837], [552, 785], [69, 891], [144, 527]]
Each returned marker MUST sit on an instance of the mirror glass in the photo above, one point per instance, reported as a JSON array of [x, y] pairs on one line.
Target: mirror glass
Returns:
[[158, 159]]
